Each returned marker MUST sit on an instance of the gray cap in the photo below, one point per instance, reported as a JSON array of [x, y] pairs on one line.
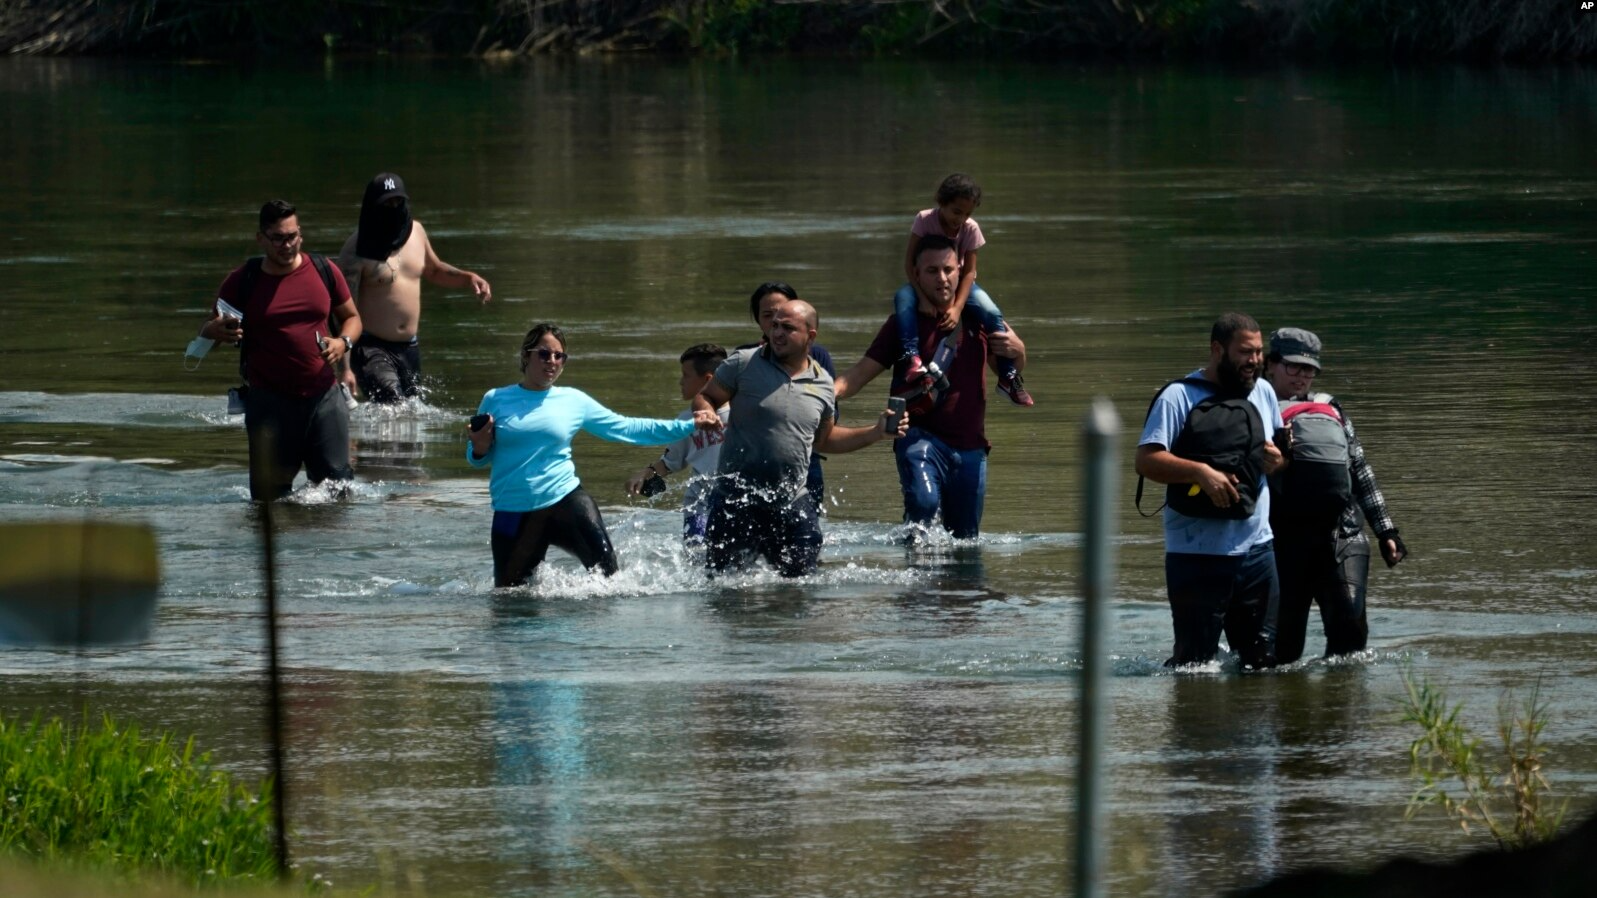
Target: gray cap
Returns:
[[1296, 345]]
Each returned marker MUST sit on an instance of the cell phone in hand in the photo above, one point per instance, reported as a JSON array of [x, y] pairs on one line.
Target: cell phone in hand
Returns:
[[895, 410], [478, 422], [1282, 439]]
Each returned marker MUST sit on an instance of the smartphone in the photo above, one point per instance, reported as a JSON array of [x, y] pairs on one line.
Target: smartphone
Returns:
[[653, 485], [478, 422], [895, 408], [1282, 439]]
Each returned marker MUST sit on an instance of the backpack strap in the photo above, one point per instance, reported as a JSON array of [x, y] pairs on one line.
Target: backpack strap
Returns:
[[325, 269], [246, 286], [943, 357], [1191, 381]]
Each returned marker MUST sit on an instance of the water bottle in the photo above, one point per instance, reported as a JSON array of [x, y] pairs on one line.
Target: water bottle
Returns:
[[349, 397]]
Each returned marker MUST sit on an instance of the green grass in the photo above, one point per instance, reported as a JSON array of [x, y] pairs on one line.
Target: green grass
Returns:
[[105, 798]]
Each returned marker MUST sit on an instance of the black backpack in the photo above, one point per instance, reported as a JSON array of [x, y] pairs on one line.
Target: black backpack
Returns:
[[1227, 434], [1312, 492], [252, 272]]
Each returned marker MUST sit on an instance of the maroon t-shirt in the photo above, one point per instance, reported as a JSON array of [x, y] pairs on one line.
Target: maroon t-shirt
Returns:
[[960, 419], [282, 317]]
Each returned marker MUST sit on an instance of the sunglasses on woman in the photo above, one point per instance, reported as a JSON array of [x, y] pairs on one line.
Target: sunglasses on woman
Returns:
[[547, 355]]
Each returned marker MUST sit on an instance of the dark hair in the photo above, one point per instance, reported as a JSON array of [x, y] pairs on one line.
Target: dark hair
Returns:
[[766, 289], [957, 186], [934, 242], [530, 342], [275, 211], [1227, 326], [704, 356]]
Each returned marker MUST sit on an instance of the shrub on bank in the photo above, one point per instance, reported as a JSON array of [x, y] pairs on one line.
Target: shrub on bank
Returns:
[[1525, 30], [107, 798]]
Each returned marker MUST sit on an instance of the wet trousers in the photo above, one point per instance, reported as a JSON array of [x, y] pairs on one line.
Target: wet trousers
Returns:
[[785, 530], [387, 371], [521, 539], [935, 478], [1332, 573], [1235, 594], [290, 432]]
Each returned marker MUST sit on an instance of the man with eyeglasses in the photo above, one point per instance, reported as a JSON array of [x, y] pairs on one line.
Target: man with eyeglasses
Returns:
[[293, 334], [385, 261], [1321, 551]]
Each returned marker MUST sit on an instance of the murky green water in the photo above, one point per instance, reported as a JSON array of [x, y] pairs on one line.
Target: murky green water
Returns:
[[892, 725]]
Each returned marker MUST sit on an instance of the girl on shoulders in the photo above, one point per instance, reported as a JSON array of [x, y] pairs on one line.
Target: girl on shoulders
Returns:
[[957, 199]]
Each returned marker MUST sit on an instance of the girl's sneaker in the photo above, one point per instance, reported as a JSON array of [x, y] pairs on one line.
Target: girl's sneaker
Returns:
[[1015, 389], [915, 372]]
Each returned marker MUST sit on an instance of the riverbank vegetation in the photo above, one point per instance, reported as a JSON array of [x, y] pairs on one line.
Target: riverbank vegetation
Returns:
[[1476, 30], [106, 799], [1503, 792]]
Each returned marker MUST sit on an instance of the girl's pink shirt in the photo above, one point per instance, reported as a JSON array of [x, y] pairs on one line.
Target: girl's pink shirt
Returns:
[[970, 238]]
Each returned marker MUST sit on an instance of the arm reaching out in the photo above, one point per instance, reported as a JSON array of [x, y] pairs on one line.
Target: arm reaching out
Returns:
[[443, 274]]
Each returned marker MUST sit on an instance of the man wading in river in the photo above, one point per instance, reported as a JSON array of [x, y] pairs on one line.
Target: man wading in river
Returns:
[[384, 262], [782, 408], [292, 413], [1208, 437]]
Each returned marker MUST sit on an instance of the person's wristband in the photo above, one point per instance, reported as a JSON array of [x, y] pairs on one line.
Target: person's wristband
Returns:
[[349, 345]]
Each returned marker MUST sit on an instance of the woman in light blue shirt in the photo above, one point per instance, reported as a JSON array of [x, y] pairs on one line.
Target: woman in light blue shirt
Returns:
[[524, 432]]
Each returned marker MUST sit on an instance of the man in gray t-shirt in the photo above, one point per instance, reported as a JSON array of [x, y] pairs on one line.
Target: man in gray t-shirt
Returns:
[[782, 407]]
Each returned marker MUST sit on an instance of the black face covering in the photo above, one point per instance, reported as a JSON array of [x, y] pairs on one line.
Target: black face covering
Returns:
[[383, 229]]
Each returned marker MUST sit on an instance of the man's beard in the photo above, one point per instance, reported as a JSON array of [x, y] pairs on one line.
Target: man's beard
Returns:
[[1233, 381]]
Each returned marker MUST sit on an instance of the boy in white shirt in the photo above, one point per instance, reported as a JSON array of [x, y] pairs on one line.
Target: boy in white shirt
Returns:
[[700, 450]]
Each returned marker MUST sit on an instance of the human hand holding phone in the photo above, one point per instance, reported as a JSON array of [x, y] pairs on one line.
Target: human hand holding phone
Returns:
[[480, 430]]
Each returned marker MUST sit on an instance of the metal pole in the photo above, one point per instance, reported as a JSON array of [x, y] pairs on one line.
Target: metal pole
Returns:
[[1100, 471], [264, 471]]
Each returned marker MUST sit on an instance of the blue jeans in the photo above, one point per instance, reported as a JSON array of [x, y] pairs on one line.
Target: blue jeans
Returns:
[[936, 477], [1238, 594], [978, 303]]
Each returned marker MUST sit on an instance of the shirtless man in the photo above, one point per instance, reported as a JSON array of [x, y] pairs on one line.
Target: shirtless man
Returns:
[[384, 262]]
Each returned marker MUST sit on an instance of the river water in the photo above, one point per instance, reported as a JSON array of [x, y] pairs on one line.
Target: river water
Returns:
[[894, 724]]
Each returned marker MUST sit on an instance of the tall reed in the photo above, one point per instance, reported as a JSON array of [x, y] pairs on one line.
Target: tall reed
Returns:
[[1505, 792]]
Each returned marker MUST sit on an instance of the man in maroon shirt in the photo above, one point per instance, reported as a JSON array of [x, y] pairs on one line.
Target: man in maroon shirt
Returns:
[[293, 413], [942, 461]]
